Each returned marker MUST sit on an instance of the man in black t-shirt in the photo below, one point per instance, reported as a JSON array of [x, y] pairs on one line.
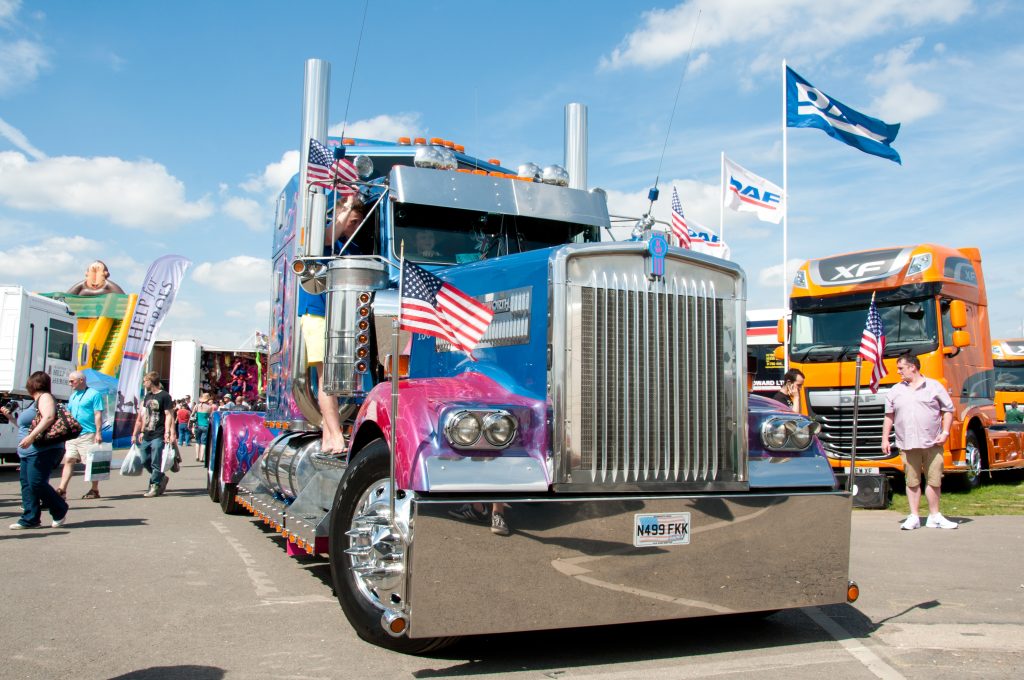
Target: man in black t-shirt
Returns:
[[154, 427]]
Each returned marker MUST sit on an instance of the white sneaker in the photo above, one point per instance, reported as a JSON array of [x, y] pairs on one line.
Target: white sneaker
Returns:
[[59, 522], [910, 523], [937, 521], [18, 526]]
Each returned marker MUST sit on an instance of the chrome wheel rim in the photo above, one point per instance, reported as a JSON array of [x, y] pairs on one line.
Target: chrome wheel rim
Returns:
[[376, 552], [973, 455]]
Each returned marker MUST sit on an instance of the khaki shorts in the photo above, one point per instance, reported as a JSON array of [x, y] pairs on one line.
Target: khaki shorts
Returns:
[[314, 334], [76, 449], [930, 460]]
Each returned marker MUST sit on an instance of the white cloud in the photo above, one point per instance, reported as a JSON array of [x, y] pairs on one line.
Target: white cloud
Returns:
[[797, 27], [384, 127], [18, 139], [902, 100], [8, 8], [247, 211], [20, 63], [905, 102], [275, 175], [129, 193], [772, 276], [239, 274], [53, 263]]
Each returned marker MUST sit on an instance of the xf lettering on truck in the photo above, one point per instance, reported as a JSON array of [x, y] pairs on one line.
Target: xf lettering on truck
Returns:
[[859, 271]]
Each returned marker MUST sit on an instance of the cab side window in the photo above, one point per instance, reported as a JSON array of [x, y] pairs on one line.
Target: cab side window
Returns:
[[947, 327]]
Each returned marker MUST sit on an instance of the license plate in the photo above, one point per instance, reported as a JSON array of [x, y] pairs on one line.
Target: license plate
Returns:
[[672, 528], [867, 470]]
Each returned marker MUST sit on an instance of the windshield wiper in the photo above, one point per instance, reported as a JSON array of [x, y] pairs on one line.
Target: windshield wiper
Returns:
[[815, 348]]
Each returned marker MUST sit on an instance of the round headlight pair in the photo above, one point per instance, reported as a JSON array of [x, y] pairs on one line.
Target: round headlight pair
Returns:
[[789, 433], [465, 428]]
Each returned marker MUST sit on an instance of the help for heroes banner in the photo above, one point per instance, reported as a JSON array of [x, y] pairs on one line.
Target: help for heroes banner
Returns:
[[747, 192], [158, 291]]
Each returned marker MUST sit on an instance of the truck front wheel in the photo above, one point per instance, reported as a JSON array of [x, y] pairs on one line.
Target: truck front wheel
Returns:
[[975, 457], [367, 578]]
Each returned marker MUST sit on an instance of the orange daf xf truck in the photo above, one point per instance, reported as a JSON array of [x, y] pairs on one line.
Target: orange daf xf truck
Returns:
[[1008, 361], [933, 305]]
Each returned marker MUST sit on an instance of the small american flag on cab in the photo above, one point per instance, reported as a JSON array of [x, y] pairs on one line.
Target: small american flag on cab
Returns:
[[323, 170], [872, 345], [679, 228], [433, 307]]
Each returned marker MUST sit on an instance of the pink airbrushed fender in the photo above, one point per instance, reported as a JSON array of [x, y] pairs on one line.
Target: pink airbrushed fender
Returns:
[[245, 438], [423, 402]]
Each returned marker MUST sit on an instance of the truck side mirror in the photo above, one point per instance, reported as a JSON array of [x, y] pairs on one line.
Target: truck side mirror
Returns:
[[780, 331], [958, 315], [961, 339], [779, 353]]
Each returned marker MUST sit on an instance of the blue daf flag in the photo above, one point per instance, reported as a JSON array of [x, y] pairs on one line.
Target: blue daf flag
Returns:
[[807, 106]]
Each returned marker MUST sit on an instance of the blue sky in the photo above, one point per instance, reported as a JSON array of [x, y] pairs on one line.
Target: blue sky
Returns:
[[130, 130]]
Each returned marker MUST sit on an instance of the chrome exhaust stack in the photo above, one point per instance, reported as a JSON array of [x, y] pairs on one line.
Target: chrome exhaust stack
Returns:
[[314, 126], [576, 144]]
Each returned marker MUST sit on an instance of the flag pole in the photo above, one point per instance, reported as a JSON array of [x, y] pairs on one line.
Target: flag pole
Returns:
[[721, 201], [785, 222], [856, 414], [396, 324]]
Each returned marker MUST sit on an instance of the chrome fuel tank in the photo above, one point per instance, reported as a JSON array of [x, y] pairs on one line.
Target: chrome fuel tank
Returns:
[[289, 463]]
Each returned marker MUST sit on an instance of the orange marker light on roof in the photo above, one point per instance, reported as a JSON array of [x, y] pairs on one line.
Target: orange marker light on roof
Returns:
[[348, 141], [460, 148], [420, 140], [494, 161], [449, 143], [404, 141], [479, 172], [437, 141]]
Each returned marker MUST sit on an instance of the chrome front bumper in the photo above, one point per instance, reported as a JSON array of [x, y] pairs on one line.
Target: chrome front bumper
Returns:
[[571, 562]]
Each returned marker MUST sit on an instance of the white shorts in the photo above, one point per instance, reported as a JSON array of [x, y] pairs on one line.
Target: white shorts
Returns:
[[76, 449], [314, 334]]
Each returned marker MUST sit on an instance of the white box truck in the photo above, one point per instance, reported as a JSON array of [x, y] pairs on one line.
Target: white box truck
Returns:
[[36, 334]]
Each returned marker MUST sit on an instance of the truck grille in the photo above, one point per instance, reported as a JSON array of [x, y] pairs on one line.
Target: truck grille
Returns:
[[837, 429], [652, 382]]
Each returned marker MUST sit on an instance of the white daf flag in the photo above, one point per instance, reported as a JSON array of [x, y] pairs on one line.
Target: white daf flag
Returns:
[[705, 240], [747, 192]]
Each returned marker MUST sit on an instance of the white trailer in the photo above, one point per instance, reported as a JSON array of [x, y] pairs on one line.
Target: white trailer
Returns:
[[36, 334]]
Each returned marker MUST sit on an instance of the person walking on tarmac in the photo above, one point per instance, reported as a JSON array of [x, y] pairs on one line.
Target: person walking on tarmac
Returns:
[[85, 406], [922, 412], [154, 427]]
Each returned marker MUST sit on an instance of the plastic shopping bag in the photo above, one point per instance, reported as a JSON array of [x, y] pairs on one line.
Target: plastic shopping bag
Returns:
[[176, 466], [97, 463], [132, 465], [167, 459]]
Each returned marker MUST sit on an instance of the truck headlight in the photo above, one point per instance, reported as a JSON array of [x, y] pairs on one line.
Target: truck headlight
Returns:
[[788, 433], [499, 429], [480, 429], [463, 429]]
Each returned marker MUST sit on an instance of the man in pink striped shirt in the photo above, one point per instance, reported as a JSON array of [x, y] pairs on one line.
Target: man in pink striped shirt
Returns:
[[922, 413]]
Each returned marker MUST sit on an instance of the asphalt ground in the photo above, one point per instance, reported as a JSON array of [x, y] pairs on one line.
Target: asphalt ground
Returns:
[[169, 587]]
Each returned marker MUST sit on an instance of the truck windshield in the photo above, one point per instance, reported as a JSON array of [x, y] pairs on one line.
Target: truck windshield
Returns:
[[1009, 376], [834, 334], [451, 236]]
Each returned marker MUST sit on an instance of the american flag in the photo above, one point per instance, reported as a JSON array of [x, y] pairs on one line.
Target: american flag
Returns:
[[431, 306], [679, 228], [323, 170], [872, 346]]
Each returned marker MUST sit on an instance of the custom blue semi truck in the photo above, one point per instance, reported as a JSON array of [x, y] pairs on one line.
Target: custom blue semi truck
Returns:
[[604, 415]]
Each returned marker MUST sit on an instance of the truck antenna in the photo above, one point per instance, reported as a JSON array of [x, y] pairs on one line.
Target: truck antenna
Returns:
[[652, 195], [355, 62]]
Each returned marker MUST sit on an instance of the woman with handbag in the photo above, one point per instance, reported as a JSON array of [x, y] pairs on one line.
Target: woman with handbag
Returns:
[[38, 456]]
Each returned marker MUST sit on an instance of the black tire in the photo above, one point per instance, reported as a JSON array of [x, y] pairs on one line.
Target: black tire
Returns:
[[976, 462], [227, 497], [213, 475], [370, 467]]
